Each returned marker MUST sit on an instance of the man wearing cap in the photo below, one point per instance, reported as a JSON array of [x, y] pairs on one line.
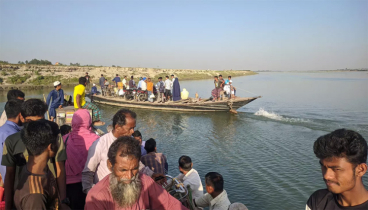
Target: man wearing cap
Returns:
[[57, 97], [144, 84]]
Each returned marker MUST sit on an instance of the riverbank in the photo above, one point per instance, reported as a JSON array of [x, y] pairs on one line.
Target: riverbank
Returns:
[[19, 76]]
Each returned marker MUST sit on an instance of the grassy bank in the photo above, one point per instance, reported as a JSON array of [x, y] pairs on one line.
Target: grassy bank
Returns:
[[39, 76]]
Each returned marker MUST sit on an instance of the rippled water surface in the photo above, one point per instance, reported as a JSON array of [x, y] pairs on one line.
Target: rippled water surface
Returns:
[[265, 151]]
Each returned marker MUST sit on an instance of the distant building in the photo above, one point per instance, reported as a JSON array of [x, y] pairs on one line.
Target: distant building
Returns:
[[57, 63]]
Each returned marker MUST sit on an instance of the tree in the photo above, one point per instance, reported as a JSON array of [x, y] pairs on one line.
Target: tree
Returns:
[[26, 61], [113, 66]]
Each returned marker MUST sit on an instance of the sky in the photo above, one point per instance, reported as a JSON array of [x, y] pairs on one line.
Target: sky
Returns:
[[180, 34]]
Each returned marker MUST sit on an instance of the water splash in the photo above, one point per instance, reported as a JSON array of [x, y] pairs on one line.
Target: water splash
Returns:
[[275, 116]]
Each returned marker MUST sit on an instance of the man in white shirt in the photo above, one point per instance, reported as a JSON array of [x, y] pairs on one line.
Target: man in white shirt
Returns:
[[168, 86], [12, 95], [216, 197], [189, 176], [96, 169], [144, 84], [125, 82]]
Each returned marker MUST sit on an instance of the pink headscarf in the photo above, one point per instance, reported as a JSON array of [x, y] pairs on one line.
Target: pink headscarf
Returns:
[[79, 141]]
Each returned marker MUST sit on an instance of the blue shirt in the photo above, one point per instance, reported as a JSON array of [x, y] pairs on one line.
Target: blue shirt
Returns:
[[94, 90], [6, 130], [116, 79], [57, 98]]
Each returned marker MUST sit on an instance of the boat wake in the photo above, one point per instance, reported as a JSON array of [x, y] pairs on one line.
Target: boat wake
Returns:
[[275, 116]]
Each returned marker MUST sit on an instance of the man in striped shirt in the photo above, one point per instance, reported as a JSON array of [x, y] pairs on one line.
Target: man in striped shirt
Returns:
[[155, 161]]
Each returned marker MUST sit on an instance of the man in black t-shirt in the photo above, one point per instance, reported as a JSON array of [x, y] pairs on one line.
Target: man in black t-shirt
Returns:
[[37, 188], [343, 158]]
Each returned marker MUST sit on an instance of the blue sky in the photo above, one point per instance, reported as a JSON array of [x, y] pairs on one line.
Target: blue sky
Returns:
[[255, 35]]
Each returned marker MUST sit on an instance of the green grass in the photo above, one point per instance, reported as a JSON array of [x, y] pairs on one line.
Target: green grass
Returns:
[[49, 80], [17, 79]]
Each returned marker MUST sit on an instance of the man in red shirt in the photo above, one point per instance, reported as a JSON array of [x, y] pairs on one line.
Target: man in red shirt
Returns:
[[125, 187]]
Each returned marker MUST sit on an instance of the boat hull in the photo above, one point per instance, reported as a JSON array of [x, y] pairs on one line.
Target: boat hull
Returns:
[[175, 106]]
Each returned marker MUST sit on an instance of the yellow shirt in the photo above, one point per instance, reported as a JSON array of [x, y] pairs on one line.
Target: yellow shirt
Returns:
[[150, 86], [79, 89]]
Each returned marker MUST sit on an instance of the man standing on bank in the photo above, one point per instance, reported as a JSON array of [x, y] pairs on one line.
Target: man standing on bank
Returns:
[[343, 158], [57, 97]]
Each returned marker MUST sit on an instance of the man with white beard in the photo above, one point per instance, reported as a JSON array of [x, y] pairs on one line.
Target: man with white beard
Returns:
[[125, 187], [96, 169]]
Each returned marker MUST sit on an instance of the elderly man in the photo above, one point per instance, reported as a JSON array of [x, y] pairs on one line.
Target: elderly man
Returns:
[[96, 168], [125, 187]]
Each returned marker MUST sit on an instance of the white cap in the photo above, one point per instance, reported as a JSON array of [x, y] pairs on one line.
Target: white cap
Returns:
[[56, 83], [94, 84], [231, 81]]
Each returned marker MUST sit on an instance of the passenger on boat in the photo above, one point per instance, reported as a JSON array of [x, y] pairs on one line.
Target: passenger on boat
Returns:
[[138, 136], [125, 82], [157, 162], [96, 168], [189, 176], [125, 187], [81, 103], [216, 197], [102, 83], [116, 80], [77, 144], [139, 87], [160, 86], [232, 88], [221, 87], [172, 81], [215, 92], [11, 126], [144, 84], [15, 154], [168, 86], [176, 90], [149, 89], [94, 90], [131, 83], [12, 94], [342, 155], [57, 97], [65, 129], [184, 94], [37, 188]]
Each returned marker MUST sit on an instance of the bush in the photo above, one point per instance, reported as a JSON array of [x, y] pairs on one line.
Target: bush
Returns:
[[17, 79], [4, 73], [1, 80]]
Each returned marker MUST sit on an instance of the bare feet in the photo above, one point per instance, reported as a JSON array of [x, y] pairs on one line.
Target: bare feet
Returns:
[[98, 123]]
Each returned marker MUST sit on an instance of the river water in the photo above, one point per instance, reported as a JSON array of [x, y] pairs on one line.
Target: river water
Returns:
[[265, 152]]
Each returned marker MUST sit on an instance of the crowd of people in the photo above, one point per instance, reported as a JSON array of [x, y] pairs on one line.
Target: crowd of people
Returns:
[[44, 169], [166, 90], [223, 87]]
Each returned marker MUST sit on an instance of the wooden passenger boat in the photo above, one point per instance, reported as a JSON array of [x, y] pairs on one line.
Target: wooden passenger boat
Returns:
[[190, 104]]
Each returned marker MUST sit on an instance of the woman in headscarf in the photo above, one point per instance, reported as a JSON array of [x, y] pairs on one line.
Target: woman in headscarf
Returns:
[[77, 143], [176, 90]]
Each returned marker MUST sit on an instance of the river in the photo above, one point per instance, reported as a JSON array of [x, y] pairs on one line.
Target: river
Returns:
[[265, 152]]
